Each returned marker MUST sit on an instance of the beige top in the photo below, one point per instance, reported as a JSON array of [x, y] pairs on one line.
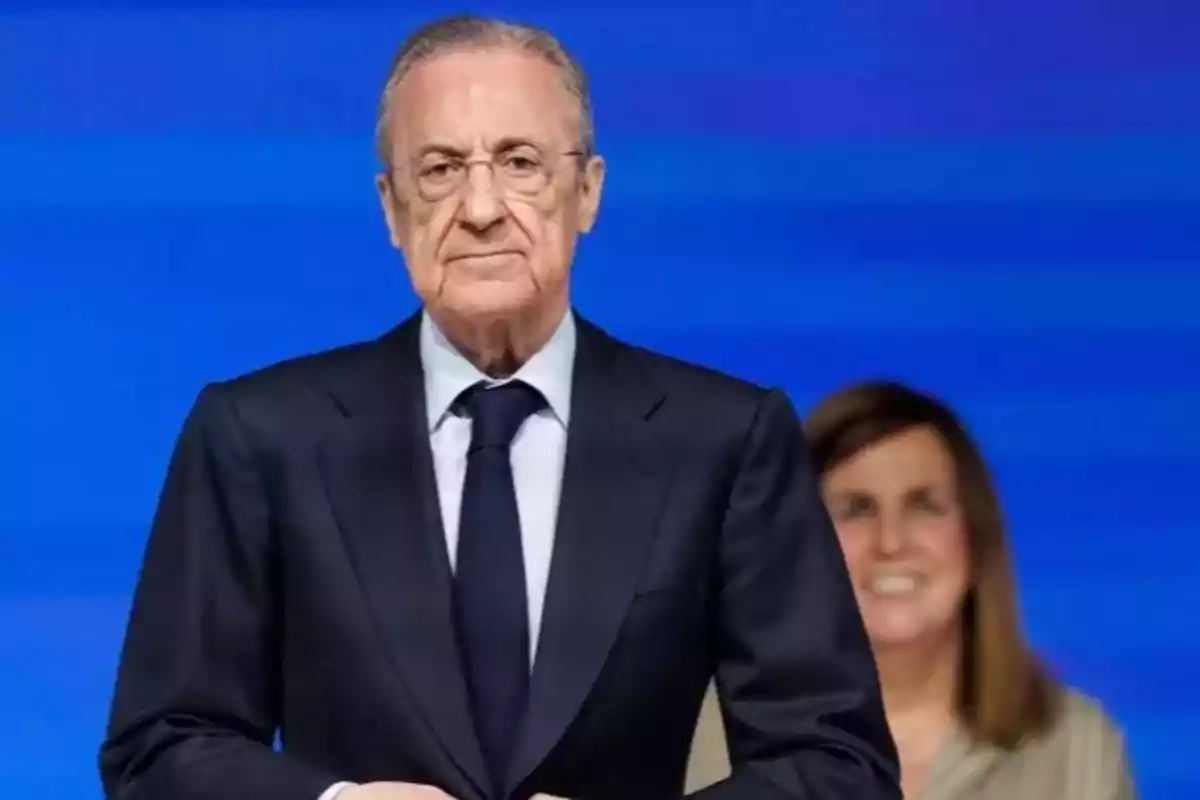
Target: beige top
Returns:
[[1081, 758]]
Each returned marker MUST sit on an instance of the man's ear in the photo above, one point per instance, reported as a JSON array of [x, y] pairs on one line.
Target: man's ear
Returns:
[[394, 210], [591, 186]]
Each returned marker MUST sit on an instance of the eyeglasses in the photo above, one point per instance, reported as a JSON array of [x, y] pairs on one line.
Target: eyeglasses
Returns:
[[523, 171]]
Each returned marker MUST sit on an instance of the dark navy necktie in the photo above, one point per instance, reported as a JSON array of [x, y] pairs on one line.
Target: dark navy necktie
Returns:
[[489, 581]]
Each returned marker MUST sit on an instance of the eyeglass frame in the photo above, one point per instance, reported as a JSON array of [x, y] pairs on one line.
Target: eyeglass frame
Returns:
[[548, 168]]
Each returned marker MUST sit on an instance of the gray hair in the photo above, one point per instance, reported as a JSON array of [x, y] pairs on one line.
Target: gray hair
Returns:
[[468, 32]]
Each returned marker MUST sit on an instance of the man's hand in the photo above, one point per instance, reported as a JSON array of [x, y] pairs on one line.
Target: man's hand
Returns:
[[393, 791]]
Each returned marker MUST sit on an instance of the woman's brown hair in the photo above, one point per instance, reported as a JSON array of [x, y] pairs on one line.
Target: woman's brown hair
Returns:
[[1006, 695]]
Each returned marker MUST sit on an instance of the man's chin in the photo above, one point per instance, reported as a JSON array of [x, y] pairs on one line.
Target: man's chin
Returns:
[[491, 299]]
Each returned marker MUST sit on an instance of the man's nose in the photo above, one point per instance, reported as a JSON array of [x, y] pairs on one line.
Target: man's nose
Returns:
[[482, 204]]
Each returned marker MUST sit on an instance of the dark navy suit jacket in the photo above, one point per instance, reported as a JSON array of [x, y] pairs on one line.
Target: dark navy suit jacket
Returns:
[[296, 581]]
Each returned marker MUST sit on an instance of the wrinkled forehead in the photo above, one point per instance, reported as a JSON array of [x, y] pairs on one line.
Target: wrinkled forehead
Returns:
[[469, 100]]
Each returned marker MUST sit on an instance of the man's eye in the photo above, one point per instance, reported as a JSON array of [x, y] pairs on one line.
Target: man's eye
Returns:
[[521, 164], [438, 171]]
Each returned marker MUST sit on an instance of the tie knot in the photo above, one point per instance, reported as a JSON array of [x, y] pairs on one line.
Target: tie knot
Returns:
[[498, 411]]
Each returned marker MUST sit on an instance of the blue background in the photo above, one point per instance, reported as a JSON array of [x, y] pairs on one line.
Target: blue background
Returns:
[[999, 202]]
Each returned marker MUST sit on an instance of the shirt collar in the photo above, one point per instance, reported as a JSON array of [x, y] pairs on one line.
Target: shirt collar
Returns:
[[448, 373]]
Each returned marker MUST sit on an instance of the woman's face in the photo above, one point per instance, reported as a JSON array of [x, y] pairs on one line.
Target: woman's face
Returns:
[[896, 510]]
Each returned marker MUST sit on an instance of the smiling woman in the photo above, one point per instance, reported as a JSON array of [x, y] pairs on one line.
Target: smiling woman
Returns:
[[921, 528], [974, 714]]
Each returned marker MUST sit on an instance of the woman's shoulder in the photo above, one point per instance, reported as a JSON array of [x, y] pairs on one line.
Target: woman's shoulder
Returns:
[[1083, 752], [1083, 719]]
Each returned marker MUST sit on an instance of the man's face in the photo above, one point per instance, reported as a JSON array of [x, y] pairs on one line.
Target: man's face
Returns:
[[485, 198]]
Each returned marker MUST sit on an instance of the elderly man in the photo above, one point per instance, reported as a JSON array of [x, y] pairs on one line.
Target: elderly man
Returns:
[[495, 553]]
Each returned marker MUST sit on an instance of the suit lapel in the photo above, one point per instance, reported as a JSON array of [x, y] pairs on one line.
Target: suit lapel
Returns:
[[614, 482], [378, 471]]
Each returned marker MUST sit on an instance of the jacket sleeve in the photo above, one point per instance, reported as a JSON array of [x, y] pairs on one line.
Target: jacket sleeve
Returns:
[[796, 677], [195, 709]]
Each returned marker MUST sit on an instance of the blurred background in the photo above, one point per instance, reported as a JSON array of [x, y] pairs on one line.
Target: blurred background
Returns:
[[997, 202]]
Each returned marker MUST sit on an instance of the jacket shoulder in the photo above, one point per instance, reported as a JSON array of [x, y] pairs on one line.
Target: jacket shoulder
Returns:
[[694, 382], [293, 398]]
